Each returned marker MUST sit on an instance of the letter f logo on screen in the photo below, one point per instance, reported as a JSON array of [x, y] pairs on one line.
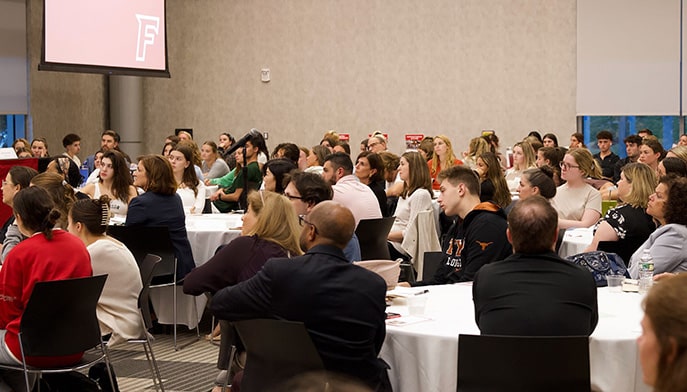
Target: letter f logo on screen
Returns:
[[148, 28]]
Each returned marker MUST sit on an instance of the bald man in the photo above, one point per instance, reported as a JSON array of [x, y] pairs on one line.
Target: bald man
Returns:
[[341, 304], [534, 292]]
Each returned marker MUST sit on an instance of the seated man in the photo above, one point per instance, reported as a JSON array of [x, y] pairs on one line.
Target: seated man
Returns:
[[342, 305], [534, 292], [477, 238], [227, 199], [306, 190]]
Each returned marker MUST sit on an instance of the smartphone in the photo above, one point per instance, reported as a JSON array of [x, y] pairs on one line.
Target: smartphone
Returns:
[[390, 315]]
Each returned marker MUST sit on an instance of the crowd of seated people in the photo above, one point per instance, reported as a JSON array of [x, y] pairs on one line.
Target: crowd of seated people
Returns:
[[475, 195]]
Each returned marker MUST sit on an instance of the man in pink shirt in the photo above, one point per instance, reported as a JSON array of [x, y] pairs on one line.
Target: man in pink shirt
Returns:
[[348, 190]]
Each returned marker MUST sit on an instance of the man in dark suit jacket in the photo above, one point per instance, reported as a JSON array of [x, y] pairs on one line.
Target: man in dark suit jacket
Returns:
[[534, 292], [341, 305]]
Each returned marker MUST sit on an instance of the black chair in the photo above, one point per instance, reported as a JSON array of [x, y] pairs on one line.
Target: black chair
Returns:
[[372, 235], [277, 350], [521, 363], [147, 268], [431, 263], [60, 319], [144, 240]]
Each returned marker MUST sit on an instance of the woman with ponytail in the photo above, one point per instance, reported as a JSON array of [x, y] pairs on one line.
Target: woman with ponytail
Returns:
[[118, 304], [47, 254], [578, 203]]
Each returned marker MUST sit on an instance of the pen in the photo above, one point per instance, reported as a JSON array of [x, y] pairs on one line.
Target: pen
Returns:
[[422, 292]]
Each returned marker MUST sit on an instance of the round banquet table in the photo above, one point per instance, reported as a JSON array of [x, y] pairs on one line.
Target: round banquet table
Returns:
[[424, 355], [205, 232]]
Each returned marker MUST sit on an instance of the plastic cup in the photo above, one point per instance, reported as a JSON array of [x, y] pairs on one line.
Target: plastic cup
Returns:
[[615, 283], [416, 304]]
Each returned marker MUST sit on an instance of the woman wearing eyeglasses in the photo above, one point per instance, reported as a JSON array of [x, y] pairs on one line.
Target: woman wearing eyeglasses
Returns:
[[578, 203]]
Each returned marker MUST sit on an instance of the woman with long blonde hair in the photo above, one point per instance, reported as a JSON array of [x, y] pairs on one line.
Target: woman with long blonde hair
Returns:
[[629, 224], [270, 229], [578, 203], [524, 158], [478, 146], [443, 158]]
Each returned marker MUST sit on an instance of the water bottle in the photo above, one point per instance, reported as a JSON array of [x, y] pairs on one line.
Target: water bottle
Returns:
[[646, 272]]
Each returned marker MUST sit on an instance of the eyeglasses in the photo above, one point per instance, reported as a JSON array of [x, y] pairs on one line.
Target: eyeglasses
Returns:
[[291, 197], [370, 145], [567, 166], [302, 220]]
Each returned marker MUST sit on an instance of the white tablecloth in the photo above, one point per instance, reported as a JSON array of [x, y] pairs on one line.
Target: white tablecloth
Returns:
[[424, 356], [575, 241], [205, 233]]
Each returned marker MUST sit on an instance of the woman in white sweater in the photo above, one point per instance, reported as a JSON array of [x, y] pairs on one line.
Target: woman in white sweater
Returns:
[[118, 304], [415, 197], [189, 188]]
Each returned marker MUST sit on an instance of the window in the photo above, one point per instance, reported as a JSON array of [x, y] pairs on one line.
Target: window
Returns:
[[12, 126], [665, 128]]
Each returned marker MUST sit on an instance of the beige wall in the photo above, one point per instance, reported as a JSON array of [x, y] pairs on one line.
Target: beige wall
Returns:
[[438, 66]]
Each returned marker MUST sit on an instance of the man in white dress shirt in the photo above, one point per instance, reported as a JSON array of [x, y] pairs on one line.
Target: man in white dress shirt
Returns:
[[358, 197]]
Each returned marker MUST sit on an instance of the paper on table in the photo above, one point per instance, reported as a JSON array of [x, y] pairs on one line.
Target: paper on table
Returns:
[[406, 320], [403, 292]]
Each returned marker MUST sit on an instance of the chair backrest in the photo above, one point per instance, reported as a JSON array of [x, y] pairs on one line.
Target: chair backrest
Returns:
[[146, 269], [522, 363], [431, 263], [144, 240], [389, 270], [60, 318], [372, 235], [277, 350]]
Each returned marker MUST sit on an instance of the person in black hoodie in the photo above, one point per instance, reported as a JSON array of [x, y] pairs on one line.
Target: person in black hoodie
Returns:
[[477, 238]]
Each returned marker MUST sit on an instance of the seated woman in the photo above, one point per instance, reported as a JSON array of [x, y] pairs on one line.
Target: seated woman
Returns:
[[191, 191], [270, 229], [18, 178], [663, 343], [524, 158], [672, 166], [551, 156], [213, 166], [62, 194], [316, 159], [273, 173], [443, 158], [578, 203], [160, 205], [114, 181], [538, 181], [667, 243], [118, 304], [415, 197], [477, 147], [45, 255], [493, 185], [369, 168], [628, 224]]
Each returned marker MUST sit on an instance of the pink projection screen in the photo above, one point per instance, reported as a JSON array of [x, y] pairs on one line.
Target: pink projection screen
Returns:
[[122, 37]]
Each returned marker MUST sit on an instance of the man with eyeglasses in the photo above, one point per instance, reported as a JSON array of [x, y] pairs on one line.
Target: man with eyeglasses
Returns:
[[376, 143], [341, 305], [305, 191]]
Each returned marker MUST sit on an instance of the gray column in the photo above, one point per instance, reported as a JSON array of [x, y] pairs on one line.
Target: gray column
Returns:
[[126, 113]]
